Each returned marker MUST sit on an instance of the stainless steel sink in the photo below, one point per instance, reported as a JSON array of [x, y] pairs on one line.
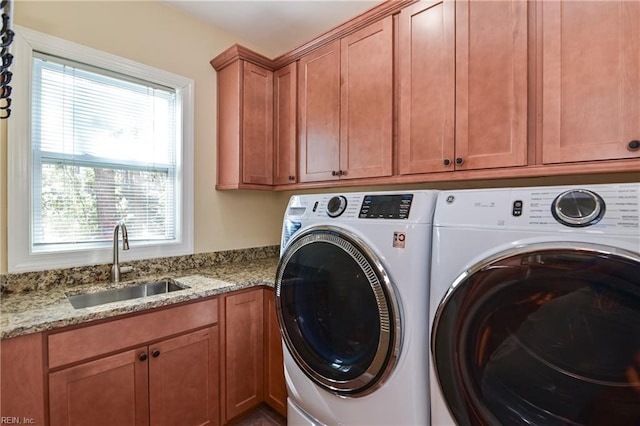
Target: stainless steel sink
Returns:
[[86, 300]]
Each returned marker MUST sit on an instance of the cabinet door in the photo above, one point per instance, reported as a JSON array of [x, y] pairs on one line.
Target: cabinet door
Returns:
[[21, 371], [229, 143], [243, 346], [591, 80], [491, 84], [284, 93], [183, 380], [319, 114], [275, 388], [366, 137], [427, 87], [257, 125], [109, 391]]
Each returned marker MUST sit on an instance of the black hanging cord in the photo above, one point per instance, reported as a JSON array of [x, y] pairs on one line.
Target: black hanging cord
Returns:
[[6, 38]]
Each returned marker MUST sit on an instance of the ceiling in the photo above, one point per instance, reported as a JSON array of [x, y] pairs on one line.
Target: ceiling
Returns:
[[274, 27]]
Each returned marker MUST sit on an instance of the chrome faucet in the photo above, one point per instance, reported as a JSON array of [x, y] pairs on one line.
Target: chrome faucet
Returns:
[[115, 268]]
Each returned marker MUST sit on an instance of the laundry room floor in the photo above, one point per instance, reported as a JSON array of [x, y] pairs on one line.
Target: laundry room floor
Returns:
[[263, 416]]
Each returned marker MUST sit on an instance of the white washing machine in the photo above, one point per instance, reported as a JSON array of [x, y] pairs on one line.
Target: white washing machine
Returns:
[[351, 294], [535, 306]]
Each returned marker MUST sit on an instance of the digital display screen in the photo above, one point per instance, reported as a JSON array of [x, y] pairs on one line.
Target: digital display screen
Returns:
[[396, 206]]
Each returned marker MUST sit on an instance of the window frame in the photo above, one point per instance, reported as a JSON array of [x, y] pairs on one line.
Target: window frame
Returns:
[[20, 257]]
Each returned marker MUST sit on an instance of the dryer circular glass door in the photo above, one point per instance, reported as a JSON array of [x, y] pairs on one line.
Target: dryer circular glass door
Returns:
[[337, 310], [543, 336]]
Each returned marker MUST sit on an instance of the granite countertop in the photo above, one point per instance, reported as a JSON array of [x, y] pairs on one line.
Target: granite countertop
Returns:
[[49, 309]]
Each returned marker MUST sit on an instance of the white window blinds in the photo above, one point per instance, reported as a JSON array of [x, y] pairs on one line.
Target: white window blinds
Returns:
[[103, 150]]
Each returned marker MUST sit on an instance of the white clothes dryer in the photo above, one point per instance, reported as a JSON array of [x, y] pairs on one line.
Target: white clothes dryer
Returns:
[[351, 294], [535, 306]]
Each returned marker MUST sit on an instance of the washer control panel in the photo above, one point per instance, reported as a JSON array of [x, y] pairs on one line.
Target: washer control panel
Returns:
[[384, 205], [396, 206]]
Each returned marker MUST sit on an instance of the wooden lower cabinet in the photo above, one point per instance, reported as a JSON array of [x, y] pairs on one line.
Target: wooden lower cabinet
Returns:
[[252, 367], [173, 382], [242, 368], [22, 390], [275, 387], [115, 375], [183, 380], [109, 391]]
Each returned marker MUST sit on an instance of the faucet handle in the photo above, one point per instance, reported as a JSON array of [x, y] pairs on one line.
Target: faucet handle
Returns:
[[125, 269]]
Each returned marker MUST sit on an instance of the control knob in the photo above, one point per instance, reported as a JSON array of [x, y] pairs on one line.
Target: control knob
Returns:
[[578, 208], [336, 206]]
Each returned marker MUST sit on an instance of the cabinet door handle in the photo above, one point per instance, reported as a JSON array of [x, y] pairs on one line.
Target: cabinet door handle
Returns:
[[341, 172], [291, 177], [155, 353], [447, 162], [459, 160], [634, 145], [334, 173], [142, 357]]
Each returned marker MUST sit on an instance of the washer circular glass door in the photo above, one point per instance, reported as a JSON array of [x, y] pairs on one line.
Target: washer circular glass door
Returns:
[[542, 335], [337, 310]]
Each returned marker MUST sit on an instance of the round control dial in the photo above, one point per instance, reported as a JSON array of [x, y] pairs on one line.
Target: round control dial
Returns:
[[336, 206], [578, 208]]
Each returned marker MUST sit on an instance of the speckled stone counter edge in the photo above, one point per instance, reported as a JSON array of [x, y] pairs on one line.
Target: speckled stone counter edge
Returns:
[[42, 280]]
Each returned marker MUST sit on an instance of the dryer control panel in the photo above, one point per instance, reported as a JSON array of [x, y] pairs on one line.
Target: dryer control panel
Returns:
[[611, 208]]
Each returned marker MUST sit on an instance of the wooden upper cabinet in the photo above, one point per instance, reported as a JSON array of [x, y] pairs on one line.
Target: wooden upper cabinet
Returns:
[[257, 125], [431, 86], [366, 114], [427, 87], [284, 122], [319, 114], [471, 54], [345, 101], [590, 80], [245, 120], [491, 84]]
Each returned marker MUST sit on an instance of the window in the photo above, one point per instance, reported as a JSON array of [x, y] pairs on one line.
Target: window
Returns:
[[96, 139]]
